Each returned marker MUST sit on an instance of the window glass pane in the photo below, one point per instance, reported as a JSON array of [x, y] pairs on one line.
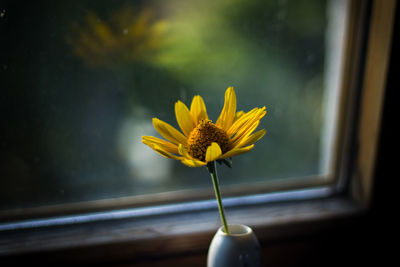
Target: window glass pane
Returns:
[[81, 80]]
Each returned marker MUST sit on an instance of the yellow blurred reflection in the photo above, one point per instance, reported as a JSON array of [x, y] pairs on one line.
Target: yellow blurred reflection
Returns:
[[126, 36]]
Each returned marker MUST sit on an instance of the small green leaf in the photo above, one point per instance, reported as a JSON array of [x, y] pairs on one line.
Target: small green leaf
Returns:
[[227, 162]]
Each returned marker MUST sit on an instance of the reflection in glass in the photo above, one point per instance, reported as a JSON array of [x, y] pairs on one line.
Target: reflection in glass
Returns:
[[82, 80]]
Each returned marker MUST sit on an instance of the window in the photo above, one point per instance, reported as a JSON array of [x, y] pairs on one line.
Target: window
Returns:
[[83, 80], [83, 92]]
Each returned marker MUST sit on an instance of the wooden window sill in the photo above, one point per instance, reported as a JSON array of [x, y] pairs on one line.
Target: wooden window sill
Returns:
[[161, 237]]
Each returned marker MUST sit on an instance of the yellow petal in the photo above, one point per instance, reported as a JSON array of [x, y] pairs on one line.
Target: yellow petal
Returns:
[[213, 152], [169, 132], [249, 125], [252, 138], [164, 153], [229, 110], [184, 118], [193, 163], [238, 114], [238, 123], [236, 152], [167, 146], [182, 150], [242, 136], [198, 109], [189, 160]]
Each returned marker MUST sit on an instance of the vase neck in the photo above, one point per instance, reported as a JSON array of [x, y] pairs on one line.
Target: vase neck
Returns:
[[236, 230]]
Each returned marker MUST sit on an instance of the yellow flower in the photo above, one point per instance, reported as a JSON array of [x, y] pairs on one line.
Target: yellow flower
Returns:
[[202, 141]]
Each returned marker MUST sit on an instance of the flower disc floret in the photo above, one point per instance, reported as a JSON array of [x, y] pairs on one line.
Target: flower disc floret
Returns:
[[202, 136]]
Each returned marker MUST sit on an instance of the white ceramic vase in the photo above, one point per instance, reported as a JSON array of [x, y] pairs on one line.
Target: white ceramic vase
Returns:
[[239, 248]]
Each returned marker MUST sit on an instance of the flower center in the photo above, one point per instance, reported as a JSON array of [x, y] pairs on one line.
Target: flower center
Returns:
[[202, 136]]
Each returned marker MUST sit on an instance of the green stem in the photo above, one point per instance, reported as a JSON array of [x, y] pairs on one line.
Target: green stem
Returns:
[[212, 168]]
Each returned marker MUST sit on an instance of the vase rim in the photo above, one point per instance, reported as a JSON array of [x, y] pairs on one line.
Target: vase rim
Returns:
[[236, 230]]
